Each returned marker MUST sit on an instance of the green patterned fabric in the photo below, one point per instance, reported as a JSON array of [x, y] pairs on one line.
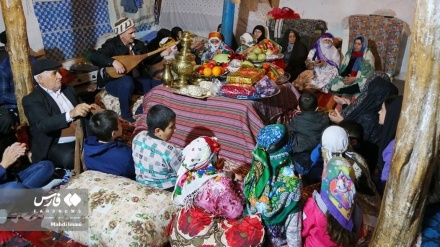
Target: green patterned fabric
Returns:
[[271, 188]]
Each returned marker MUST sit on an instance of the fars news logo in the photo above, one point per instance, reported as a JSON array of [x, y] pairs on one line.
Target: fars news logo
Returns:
[[55, 200]]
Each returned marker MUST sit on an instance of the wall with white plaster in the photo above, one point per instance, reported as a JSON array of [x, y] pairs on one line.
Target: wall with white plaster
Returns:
[[334, 11]]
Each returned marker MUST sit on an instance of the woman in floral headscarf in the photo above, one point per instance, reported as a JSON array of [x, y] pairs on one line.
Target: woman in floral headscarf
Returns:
[[211, 202], [356, 67], [246, 41], [272, 189], [322, 63], [215, 46], [202, 183], [331, 217]]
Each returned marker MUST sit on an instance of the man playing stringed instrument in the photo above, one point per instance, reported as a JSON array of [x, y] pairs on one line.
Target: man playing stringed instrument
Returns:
[[124, 44]]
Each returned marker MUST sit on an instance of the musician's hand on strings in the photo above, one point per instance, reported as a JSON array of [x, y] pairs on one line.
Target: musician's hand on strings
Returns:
[[119, 67], [166, 52]]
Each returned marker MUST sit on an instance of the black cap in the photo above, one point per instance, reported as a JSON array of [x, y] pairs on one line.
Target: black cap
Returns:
[[3, 38], [39, 66]]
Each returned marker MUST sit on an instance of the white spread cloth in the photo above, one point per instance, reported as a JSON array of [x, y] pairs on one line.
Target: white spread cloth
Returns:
[[203, 16]]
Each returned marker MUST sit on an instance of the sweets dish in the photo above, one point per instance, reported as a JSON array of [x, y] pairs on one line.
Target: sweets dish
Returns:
[[194, 92], [264, 88]]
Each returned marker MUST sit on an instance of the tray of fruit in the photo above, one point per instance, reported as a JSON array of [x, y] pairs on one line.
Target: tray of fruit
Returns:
[[277, 74], [210, 69], [264, 88], [266, 50]]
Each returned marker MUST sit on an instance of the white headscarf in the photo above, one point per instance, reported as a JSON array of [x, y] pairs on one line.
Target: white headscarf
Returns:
[[248, 39], [334, 141], [327, 52], [212, 47]]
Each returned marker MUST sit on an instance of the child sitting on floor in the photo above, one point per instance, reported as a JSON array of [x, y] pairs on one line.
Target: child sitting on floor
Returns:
[[102, 152], [306, 129], [156, 160], [331, 217]]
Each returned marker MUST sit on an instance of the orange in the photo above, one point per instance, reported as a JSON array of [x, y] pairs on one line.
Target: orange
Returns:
[[207, 71], [216, 71]]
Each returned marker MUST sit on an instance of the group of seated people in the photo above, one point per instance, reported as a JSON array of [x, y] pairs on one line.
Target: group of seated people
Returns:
[[345, 157]]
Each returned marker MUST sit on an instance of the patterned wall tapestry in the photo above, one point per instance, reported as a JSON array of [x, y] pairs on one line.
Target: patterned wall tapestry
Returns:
[[69, 28]]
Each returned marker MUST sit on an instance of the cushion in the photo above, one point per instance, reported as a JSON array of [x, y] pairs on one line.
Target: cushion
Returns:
[[109, 102], [195, 227], [122, 212]]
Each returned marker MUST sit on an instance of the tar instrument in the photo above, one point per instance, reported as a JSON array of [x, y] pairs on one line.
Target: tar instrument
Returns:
[[131, 61]]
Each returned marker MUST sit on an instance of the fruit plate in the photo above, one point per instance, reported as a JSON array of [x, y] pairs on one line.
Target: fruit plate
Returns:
[[209, 77], [175, 91], [284, 78]]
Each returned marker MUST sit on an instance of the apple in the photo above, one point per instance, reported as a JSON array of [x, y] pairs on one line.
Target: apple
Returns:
[[252, 56], [261, 57], [257, 50]]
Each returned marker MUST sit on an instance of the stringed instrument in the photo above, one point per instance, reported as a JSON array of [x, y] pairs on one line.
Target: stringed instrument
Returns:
[[131, 61]]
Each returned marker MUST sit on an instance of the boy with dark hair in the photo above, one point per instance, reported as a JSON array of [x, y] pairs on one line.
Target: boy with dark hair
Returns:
[[102, 152], [306, 129], [156, 160], [356, 136]]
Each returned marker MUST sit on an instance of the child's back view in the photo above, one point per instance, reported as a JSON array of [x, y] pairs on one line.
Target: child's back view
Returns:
[[331, 217], [306, 128], [156, 160], [102, 152]]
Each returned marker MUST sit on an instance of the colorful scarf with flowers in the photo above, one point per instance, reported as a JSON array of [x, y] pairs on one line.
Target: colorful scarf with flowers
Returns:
[[197, 168], [271, 187], [338, 191]]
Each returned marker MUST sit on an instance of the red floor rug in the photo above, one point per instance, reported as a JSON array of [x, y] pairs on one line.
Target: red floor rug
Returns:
[[326, 101], [49, 239], [35, 238]]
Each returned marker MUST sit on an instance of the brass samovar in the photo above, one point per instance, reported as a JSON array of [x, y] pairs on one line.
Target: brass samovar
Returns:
[[185, 61]]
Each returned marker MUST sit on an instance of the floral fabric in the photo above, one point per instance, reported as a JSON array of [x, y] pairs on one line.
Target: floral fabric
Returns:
[[222, 197], [109, 102], [122, 212], [195, 227]]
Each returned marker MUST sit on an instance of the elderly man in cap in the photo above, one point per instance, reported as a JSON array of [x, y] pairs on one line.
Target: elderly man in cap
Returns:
[[51, 109], [124, 44]]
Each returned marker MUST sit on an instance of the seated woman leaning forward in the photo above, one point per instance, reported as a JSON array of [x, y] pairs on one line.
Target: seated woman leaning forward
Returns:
[[272, 188], [202, 183], [322, 65], [357, 65]]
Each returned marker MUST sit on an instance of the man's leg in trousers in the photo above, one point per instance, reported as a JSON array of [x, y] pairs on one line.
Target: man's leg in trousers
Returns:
[[148, 83], [37, 175], [63, 155], [123, 89]]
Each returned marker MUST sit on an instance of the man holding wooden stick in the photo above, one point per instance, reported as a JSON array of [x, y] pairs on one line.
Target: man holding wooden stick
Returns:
[[124, 44]]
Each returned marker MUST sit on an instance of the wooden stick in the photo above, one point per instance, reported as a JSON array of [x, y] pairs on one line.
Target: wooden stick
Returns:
[[131, 61]]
